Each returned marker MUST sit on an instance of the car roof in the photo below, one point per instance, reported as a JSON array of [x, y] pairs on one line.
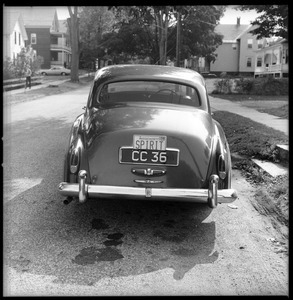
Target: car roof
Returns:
[[148, 72]]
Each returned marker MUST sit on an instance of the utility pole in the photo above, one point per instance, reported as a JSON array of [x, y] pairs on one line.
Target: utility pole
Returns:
[[178, 40]]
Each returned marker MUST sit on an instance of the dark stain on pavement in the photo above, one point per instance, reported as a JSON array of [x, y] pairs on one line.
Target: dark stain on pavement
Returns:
[[114, 239], [169, 223], [90, 255], [115, 236], [99, 224], [112, 243]]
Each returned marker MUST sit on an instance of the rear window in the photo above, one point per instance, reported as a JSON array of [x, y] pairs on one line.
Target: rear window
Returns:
[[147, 91]]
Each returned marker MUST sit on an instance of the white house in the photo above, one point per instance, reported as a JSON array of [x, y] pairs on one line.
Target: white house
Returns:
[[272, 59], [14, 34]]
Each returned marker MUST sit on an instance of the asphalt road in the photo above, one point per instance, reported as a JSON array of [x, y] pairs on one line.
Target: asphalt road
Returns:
[[113, 247]]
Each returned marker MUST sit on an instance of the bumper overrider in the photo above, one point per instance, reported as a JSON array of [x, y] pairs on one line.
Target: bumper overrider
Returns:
[[211, 196]]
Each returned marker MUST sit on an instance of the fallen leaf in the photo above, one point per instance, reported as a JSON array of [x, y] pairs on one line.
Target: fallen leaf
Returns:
[[233, 206]]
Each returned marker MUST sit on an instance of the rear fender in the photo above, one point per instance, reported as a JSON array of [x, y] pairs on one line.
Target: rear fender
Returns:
[[220, 148], [76, 152]]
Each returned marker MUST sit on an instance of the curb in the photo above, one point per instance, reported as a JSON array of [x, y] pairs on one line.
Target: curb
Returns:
[[273, 169]]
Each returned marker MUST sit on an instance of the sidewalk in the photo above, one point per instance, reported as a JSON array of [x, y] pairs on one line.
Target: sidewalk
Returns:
[[263, 118], [44, 84]]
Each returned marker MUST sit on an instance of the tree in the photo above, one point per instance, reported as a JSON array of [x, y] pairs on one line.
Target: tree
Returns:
[[151, 30], [197, 36], [273, 20], [95, 21], [155, 21], [26, 57], [73, 24], [162, 16]]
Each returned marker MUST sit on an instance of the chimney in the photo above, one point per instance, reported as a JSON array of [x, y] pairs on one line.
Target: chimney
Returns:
[[238, 21]]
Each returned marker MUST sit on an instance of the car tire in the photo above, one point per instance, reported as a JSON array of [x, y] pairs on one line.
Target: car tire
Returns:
[[44, 73], [63, 74]]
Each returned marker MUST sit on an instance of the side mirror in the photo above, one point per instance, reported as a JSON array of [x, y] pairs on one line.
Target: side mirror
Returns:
[[84, 108]]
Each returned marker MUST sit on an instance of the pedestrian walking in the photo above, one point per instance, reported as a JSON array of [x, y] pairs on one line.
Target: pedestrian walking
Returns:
[[28, 75]]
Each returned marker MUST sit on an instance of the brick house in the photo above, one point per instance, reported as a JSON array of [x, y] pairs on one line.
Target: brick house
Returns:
[[44, 33]]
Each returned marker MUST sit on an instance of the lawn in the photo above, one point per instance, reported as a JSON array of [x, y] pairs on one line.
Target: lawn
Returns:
[[250, 138], [253, 139]]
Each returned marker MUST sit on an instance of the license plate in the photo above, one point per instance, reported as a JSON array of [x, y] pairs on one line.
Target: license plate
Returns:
[[150, 142], [169, 157]]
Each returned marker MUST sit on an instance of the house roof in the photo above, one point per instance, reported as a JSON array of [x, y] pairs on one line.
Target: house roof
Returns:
[[41, 16], [231, 32], [9, 21]]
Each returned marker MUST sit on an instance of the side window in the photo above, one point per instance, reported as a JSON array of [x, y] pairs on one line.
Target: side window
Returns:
[[248, 62], [259, 62], [259, 44], [33, 38]]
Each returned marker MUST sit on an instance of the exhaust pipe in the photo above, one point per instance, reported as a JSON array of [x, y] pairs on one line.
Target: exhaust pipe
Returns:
[[68, 200]]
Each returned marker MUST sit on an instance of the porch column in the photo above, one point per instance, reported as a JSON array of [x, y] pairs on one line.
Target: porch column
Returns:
[[62, 50]]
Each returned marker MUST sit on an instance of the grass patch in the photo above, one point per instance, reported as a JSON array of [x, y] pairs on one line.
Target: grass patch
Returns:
[[47, 90], [281, 112], [250, 138]]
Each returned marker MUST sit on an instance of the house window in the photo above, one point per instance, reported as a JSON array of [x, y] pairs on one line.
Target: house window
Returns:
[[259, 62], [248, 62], [15, 41], [234, 46], [33, 38], [249, 43], [259, 44]]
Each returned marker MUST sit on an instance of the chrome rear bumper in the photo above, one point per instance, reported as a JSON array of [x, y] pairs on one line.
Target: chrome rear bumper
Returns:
[[211, 196]]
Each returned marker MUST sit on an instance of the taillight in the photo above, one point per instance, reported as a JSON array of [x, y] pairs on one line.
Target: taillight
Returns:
[[74, 161], [222, 167]]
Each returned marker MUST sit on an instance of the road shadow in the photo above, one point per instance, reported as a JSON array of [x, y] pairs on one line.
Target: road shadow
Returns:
[[81, 244]]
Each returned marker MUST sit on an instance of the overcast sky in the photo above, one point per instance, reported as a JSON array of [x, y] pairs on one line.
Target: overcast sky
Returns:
[[230, 16]]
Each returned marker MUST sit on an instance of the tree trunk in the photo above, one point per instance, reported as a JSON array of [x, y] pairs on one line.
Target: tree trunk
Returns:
[[163, 22], [178, 40], [74, 36]]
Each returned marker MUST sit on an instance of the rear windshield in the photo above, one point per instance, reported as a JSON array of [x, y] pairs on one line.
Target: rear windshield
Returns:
[[147, 91]]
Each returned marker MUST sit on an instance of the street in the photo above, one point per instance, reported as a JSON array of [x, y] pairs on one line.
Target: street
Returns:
[[120, 247]]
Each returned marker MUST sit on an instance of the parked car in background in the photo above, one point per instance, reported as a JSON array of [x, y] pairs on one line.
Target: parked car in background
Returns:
[[209, 75], [147, 133], [55, 71]]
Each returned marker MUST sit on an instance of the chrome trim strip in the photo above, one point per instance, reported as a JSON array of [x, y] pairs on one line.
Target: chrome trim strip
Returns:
[[148, 172], [147, 181]]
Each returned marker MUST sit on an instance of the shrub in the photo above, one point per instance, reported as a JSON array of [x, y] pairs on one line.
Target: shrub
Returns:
[[16, 69], [244, 85], [255, 86], [270, 86], [223, 86]]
